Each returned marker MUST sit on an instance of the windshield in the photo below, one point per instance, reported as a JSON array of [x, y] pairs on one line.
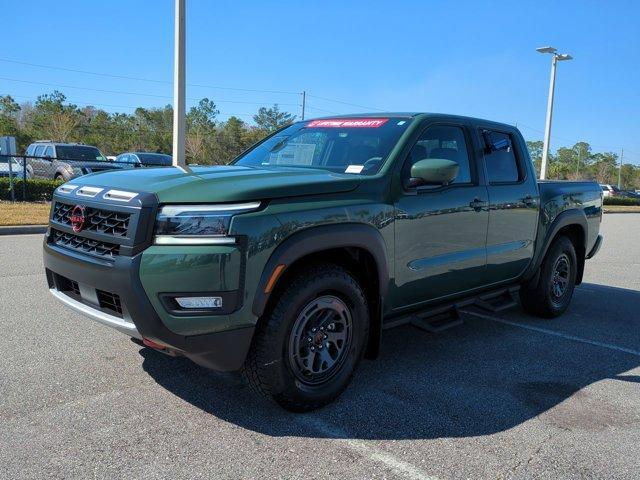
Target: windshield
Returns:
[[79, 152], [154, 159], [345, 145]]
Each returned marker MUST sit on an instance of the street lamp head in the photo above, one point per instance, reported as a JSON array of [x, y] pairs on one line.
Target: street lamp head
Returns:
[[547, 50], [564, 56]]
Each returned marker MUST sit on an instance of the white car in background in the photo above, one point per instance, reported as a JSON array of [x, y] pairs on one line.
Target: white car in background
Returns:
[[609, 190], [14, 168]]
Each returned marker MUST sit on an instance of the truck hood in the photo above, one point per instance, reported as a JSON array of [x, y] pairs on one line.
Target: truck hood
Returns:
[[222, 183]]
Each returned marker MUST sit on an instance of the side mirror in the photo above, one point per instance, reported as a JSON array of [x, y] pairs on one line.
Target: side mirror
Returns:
[[434, 171]]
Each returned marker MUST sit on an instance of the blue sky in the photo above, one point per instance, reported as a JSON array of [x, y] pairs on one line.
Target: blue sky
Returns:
[[467, 57]]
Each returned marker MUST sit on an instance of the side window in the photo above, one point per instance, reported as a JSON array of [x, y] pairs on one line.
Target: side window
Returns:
[[502, 165], [39, 151], [441, 141], [48, 152]]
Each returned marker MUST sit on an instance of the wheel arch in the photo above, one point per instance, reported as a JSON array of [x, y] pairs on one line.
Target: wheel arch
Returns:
[[359, 248], [572, 224]]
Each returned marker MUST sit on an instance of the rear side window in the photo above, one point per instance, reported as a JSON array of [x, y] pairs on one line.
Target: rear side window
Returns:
[[39, 151], [502, 165]]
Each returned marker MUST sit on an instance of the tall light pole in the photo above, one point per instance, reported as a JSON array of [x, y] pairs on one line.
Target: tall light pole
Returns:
[[179, 122], [552, 84]]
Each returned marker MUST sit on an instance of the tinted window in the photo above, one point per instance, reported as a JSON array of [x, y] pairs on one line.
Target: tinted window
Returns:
[[79, 152], [153, 159], [347, 145], [502, 165], [445, 142]]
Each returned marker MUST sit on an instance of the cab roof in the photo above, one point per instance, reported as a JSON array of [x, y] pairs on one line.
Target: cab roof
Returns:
[[421, 115]]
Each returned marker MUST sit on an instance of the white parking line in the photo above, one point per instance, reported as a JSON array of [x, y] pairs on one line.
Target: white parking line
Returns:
[[555, 334], [405, 469]]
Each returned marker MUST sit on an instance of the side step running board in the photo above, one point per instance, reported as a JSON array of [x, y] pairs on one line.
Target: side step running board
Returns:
[[438, 322], [445, 316], [498, 301]]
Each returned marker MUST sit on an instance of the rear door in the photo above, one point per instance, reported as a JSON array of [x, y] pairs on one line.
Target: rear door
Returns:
[[440, 232], [513, 203]]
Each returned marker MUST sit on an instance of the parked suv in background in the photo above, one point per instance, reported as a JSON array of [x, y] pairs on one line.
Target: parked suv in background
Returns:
[[64, 161], [143, 159]]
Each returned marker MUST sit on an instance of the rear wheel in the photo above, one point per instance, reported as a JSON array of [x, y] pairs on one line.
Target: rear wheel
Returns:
[[552, 294], [306, 349]]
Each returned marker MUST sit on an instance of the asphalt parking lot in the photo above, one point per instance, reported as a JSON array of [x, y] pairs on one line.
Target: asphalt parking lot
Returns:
[[502, 396]]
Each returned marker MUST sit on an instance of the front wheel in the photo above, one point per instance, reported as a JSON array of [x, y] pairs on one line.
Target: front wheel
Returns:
[[552, 294], [307, 348]]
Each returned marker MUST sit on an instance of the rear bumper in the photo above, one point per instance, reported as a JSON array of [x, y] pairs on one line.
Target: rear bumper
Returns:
[[596, 247], [79, 280]]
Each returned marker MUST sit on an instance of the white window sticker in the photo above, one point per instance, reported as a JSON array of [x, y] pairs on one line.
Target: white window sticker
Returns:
[[354, 169], [294, 154]]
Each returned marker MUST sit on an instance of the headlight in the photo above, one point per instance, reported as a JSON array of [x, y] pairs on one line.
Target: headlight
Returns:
[[198, 224]]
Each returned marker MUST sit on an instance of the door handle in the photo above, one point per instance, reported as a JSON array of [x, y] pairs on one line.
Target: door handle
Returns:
[[529, 201], [476, 204]]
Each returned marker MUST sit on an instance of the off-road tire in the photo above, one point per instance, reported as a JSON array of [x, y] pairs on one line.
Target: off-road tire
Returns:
[[269, 369], [539, 299]]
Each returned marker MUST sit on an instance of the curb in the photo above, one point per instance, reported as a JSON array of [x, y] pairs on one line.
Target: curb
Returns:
[[22, 229]]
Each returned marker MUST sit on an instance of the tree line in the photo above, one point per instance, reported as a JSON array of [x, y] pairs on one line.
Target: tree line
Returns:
[[212, 141], [579, 162], [208, 140]]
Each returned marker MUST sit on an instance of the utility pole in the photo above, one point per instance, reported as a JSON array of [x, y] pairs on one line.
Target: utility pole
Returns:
[[304, 101], [552, 83], [620, 169], [179, 107]]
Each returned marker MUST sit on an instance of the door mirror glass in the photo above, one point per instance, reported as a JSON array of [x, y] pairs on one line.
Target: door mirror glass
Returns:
[[434, 171]]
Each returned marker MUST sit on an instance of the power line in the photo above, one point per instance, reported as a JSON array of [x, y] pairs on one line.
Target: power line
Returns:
[[603, 147], [345, 103], [322, 110], [138, 94], [140, 79], [93, 104]]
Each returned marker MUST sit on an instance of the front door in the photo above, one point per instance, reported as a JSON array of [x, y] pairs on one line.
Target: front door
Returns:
[[440, 231]]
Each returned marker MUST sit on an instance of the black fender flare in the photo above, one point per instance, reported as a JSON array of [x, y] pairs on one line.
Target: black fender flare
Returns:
[[567, 218], [317, 239]]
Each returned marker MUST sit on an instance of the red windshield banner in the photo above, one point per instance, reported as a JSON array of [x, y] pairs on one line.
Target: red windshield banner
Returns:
[[348, 123]]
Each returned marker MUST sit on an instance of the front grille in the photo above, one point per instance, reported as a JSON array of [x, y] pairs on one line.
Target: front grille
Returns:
[[85, 245], [109, 301], [96, 220]]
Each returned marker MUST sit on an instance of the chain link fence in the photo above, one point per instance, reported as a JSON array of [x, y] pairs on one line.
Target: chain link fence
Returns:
[[34, 178]]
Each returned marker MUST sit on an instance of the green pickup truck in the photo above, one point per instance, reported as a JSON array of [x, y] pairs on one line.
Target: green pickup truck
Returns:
[[290, 262]]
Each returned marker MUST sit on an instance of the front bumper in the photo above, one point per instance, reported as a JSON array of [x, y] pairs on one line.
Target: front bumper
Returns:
[[89, 285]]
